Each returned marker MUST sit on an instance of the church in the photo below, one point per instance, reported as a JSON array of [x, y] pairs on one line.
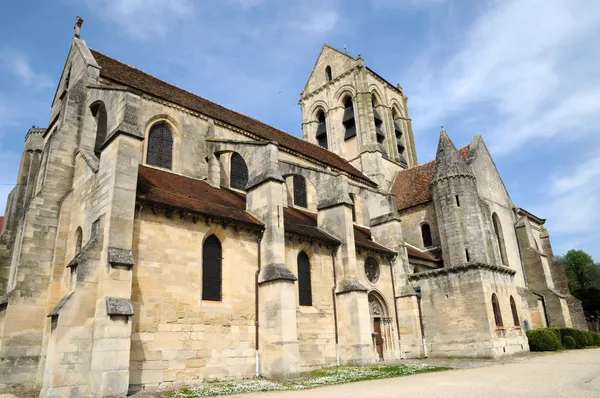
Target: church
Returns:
[[156, 239]]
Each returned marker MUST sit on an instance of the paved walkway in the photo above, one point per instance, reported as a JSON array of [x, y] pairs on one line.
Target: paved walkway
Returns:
[[568, 374]]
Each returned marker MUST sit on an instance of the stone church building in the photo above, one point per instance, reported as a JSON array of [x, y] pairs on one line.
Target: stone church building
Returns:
[[155, 238]]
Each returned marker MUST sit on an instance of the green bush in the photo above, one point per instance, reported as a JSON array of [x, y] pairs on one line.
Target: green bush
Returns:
[[543, 340], [577, 335], [569, 342], [556, 331], [596, 338]]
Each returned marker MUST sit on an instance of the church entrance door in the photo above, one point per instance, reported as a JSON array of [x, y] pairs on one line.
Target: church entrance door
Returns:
[[378, 337]]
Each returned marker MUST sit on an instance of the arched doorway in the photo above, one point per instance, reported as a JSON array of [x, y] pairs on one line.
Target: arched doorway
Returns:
[[381, 324]]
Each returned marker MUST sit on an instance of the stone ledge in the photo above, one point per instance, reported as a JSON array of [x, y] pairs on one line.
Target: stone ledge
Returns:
[[337, 201], [90, 158], [462, 268], [269, 175], [118, 306], [350, 285], [273, 272], [122, 257], [60, 304], [384, 219]]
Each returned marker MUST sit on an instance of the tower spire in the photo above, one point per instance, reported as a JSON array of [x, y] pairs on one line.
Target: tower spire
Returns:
[[448, 161]]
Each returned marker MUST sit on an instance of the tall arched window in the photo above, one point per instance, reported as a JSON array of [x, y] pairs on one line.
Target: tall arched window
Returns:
[[239, 172], [499, 238], [99, 112], [496, 308], [398, 134], [328, 73], [321, 130], [348, 119], [300, 191], [160, 146], [78, 240], [211, 269], [378, 126], [515, 314], [304, 283], [426, 235]]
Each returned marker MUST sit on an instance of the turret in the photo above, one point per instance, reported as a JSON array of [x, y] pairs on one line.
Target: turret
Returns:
[[457, 207]]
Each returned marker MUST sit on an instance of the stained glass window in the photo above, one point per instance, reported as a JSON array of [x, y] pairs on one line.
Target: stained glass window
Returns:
[[239, 172], [211, 269], [160, 146], [304, 283]]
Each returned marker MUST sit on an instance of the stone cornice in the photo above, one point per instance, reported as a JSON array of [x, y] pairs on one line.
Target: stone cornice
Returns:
[[460, 269]]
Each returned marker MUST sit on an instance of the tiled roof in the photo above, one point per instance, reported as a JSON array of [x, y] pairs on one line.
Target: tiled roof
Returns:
[[362, 240], [184, 193], [430, 256], [303, 223], [135, 78], [411, 186]]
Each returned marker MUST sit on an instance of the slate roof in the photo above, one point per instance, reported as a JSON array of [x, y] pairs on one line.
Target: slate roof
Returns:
[[121, 73], [184, 193], [411, 186], [303, 223], [363, 240]]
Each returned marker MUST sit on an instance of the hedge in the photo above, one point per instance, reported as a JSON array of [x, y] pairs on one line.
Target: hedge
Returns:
[[543, 340], [546, 339], [569, 342], [577, 335]]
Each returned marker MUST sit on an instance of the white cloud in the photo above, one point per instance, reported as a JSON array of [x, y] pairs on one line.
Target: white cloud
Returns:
[[19, 65], [529, 62], [144, 19], [406, 3]]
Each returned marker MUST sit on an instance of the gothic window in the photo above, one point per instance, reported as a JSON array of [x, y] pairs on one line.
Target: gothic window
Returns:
[[372, 270], [378, 126], [304, 283], [99, 112], [300, 191], [348, 119], [321, 130], [496, 308], [398, 133], [353, 207], [499, 238], [78, 240], [513, 308], [239, 172], [211, 269], [160, 146], [328, 73], [426, 235]]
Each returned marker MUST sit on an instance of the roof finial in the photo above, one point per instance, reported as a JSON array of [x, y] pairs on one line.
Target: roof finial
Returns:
[[443, 130], [345, 49], [77, 27]]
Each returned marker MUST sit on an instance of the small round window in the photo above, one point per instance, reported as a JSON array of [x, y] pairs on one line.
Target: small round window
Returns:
[[372, 270]]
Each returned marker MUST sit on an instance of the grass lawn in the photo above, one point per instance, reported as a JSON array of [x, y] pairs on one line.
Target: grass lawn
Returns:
[[316, 378]]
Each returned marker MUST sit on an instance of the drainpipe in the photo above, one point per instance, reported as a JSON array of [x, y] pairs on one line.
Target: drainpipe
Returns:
[[418, 290], [391, 261], [335, 322], [256, 324]]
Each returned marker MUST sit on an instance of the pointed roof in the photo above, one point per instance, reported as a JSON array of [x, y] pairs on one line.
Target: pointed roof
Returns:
[[448, 160]]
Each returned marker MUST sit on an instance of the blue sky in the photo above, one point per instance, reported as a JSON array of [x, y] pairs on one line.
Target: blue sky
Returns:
[[523, 73]]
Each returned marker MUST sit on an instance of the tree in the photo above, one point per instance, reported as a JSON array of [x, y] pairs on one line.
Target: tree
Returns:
[[583, 276]]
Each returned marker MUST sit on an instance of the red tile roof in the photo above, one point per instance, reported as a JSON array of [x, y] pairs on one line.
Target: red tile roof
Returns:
[[411, 186], [363, 240], [430, 256], [121, 73], [184, 193], [303, 223]]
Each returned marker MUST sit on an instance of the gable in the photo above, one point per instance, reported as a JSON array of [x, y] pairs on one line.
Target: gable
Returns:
[[339, 62], [489, 182]]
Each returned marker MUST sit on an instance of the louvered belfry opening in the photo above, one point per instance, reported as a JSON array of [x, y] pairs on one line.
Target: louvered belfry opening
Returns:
[[322, 130], [496, 308], [304, 282], [515, 314], [378, 127], [300, 191], [398, 133], [212, 269], [160, 146], [239, 172], [348, 120], [426, 235]]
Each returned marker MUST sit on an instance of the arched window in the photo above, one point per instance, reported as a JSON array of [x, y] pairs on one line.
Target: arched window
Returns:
[[321, 130], [496, 308], [499, 238], [300, 191], [398, 134], [78, 240], [160, 146], [99, 112], [239, 172], [513, 308], [372, 270], [426, 235], [304, 283], [348, 119], [378, 126], [211, 269], [328, 73]]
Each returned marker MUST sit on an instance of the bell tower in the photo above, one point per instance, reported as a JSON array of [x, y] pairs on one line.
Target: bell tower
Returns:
[[350, 110]]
